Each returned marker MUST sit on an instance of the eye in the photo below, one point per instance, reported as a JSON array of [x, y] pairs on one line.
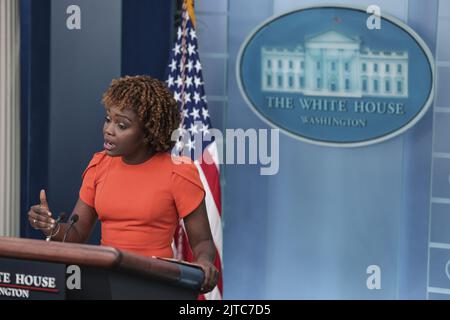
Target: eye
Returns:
[[107, 119], [122, 126]]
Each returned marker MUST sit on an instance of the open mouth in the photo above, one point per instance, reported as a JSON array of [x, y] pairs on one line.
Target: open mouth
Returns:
[[109, 146]]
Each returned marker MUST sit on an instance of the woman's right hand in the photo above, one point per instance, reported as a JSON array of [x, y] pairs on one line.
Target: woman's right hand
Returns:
[[40, 216]]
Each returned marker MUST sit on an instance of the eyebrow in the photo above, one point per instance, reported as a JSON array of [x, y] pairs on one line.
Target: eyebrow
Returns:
[[121, 115]]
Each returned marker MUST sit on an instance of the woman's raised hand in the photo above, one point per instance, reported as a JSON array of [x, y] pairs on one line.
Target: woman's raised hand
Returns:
[[40, 216]]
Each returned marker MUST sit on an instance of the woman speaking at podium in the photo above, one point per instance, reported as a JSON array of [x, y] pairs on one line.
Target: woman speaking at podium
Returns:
[[133, 186]]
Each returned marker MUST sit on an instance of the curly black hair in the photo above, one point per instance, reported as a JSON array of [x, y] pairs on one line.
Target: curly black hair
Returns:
[[153, 103]]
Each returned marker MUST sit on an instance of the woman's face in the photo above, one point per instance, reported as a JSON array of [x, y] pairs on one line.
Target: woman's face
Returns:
[[123, 133]]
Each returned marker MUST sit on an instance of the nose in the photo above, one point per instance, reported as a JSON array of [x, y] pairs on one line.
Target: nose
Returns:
[[108, 129]]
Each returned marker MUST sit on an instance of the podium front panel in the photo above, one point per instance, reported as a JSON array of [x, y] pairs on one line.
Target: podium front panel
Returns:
[[34, 280]]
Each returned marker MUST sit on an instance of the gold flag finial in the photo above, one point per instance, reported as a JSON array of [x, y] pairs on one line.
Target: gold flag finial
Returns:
[[190, 9]]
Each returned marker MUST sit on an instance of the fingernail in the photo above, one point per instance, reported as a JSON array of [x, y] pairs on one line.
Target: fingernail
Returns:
[[53, 226], [52, 221], [50, 214]]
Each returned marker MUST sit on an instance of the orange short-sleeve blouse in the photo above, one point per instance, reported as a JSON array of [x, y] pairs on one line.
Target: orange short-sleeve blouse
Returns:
[[140, 205]]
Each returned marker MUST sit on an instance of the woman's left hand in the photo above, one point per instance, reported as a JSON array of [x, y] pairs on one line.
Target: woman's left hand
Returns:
[[211, 275]]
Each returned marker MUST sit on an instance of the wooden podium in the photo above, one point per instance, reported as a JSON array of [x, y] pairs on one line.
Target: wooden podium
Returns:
[[36, 269]]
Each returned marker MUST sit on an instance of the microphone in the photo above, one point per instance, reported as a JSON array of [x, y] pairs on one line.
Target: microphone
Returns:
[[73, 220], [61, 217]]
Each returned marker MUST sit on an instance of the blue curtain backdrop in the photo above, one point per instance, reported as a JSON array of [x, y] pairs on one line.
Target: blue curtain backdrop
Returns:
[[35, 64]]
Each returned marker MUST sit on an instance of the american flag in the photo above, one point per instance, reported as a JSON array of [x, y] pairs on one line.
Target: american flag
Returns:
[[184, 79]]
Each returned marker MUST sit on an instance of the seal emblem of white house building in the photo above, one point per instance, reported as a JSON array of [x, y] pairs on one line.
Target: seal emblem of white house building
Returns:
[[321, 76]]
